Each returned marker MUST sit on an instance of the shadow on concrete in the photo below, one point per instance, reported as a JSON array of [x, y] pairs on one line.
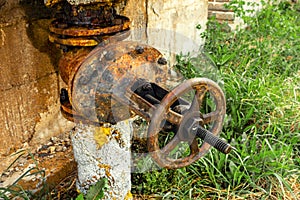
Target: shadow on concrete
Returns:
[[38, 18]]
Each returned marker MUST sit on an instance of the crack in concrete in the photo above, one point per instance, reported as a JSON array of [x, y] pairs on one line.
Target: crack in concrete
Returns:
[[13, 86]]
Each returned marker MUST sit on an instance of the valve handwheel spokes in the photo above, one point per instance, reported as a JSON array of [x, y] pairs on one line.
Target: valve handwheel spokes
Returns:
[[192, 123]]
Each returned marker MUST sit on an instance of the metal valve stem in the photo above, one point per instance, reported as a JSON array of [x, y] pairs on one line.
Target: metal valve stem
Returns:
[[213, 140]]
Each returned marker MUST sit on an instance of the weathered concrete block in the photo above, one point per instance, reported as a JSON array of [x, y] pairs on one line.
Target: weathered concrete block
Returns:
[[168, 25], [223, 16], [218, 7], [29, 86]]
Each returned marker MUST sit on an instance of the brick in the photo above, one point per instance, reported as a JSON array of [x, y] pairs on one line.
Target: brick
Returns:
[[222, 16], [217, 7]]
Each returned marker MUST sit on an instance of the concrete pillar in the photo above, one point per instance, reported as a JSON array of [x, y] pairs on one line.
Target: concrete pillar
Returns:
[[104, 152]]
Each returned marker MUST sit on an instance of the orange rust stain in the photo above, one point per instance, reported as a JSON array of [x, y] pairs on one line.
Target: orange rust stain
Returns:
[[106, 168]]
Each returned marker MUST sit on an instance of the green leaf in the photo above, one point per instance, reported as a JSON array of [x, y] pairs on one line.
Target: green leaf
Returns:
[[96, 191], [80, 197]]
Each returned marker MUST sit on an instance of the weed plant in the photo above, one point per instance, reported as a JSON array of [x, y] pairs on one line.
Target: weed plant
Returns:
[[16, 191], [260, 69]]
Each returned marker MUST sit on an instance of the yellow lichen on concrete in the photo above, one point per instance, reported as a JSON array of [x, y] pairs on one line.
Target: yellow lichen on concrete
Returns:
[[101, 136], [128, 196]]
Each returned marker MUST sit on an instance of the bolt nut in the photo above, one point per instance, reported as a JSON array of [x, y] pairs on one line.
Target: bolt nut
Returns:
[[64, 97], [83, 80], [162, 61], [191, 126], [109, 55], [139, 49], [107, 76]]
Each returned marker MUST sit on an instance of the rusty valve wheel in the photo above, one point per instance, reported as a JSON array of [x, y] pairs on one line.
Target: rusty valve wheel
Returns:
[[191, 124]]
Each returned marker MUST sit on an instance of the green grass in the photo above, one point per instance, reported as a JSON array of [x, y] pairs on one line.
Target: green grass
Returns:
[[259, 67], [15, 190]]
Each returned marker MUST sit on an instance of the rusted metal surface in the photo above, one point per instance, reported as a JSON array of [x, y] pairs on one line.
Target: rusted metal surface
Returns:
[[215, 118], [106, 86], [109, 84], [88, 41], [99, 89], [78, 2], [2, 3], [86, 25], [118, 80], [70, 62], [72, 59], [146, 96], [82, 42], [120, 23], [81, 2]]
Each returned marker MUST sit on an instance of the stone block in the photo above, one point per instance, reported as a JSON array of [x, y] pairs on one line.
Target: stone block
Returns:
[[224, 16], [218, 7]]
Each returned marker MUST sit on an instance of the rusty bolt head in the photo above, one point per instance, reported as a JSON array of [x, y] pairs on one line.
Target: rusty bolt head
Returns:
[[110, 55], [107, 76], [64, 97], [83, 80], [162, 61], [139, 49]]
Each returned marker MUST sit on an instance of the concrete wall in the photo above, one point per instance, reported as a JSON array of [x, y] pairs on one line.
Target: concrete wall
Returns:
[[30, 84], [170, 24]]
